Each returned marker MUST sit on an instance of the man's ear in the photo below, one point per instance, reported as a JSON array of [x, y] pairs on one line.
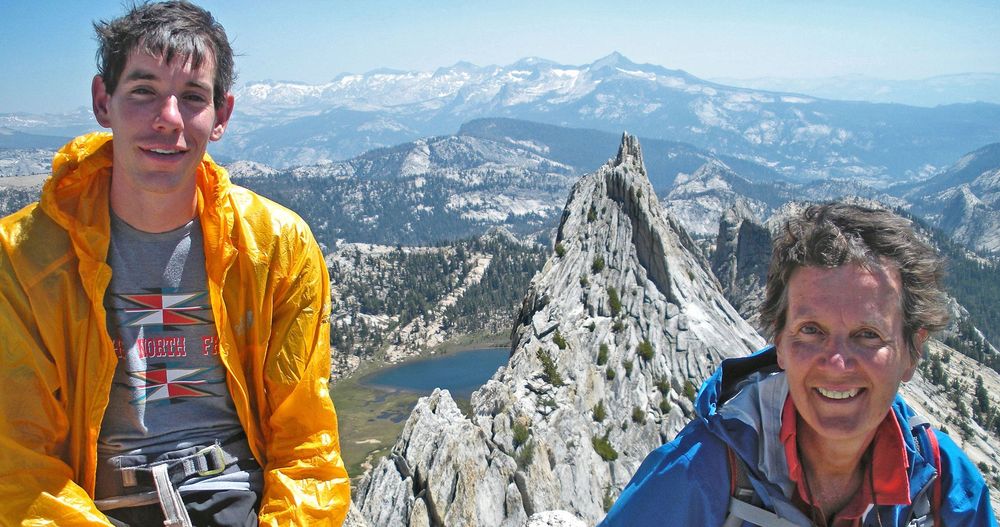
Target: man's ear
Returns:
[[222, 115], [101, 99]]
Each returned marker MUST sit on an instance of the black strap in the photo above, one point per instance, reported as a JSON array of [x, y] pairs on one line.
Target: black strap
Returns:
[[188, 463]]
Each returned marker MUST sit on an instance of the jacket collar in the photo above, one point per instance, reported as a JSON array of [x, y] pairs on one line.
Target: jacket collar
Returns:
[[76, 195]]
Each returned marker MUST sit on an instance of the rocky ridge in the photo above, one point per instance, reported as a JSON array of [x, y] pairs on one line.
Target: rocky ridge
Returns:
[[971, 212], [422, 192], [426, 331], [964, 200], [614, 334], [700, 199], [362, 273], [394, 302]]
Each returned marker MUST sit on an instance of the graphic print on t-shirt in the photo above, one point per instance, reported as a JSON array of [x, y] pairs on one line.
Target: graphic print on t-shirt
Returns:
[[165, 307], [163, 323], [160, 382]]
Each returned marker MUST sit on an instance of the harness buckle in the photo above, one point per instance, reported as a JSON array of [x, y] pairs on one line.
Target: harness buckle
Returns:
[[214, 457]]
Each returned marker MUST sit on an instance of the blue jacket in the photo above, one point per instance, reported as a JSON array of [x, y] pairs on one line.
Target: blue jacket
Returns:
[[686, 481]]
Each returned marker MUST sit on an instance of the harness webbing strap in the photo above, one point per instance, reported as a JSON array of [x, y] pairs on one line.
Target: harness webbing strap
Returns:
[[742, 511], [739, 482], [742, 493], [209, 461], [735, 471], [165, 476], [174, 513]]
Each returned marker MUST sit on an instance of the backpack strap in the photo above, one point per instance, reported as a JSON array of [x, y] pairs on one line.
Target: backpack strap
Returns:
[[927, 509], [936, 493], [742, 493], [739, 482]]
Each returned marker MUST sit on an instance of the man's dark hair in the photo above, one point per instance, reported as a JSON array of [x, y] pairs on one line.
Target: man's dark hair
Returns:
[[835, 234], [173, 30]]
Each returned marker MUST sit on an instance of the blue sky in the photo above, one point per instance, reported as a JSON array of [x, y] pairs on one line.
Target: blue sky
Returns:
[[48, 49]]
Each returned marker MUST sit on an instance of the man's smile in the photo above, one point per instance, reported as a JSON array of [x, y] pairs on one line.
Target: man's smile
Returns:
[[164, 150]]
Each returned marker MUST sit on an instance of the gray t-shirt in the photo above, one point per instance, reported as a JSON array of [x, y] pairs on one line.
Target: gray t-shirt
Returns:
[[169, 389]]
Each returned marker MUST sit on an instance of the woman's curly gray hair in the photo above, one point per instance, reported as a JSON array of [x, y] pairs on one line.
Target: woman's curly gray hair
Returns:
[[835, 234]]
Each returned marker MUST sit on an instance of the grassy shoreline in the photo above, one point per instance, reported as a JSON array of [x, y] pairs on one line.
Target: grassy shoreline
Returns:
[[371, 419]]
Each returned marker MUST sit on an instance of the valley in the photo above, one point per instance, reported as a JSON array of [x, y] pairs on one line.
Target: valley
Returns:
[[371, 416]]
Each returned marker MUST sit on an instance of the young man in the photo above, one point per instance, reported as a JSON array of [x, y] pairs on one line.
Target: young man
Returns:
[[814, 423], [165, 333]]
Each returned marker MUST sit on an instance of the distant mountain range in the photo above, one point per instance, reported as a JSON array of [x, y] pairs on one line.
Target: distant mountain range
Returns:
[[932, 91], [500, 172], [801, 137]]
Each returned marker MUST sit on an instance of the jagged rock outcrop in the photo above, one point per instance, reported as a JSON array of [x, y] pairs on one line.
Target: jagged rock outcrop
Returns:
[[741, 258], [613, 337], [971, 214], [699, 200]]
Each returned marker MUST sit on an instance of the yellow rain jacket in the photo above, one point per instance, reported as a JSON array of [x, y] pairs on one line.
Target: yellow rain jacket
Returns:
[[270, 296]]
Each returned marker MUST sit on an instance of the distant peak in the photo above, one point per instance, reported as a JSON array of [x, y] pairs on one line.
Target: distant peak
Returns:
[[462, 65], [532, 62], [613, 60], [629, 152], [614, 56]]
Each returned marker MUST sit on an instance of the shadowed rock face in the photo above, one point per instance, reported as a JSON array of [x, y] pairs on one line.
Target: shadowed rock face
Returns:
[[741, 259], [613, 336]]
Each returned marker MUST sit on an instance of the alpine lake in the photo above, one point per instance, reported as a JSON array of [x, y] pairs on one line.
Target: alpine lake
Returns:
[[373, 403]]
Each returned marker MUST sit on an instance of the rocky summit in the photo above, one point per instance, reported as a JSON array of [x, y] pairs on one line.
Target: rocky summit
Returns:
[[615, 333]]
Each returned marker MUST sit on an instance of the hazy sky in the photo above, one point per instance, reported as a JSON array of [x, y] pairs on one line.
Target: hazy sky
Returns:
[[47, 47]]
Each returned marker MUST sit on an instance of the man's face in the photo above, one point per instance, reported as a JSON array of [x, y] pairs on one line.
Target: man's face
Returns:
[[162, 118], [843, 349]]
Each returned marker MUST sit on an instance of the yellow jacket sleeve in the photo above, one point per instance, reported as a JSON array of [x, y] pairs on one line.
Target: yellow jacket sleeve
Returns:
[[36, 485], [305, 482]]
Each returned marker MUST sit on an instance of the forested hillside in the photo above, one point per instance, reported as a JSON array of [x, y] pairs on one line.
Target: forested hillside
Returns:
[[385, 295]]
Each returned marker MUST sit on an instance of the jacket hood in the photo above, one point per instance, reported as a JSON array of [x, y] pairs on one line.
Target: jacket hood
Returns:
[[741, 404], [732, 375]]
